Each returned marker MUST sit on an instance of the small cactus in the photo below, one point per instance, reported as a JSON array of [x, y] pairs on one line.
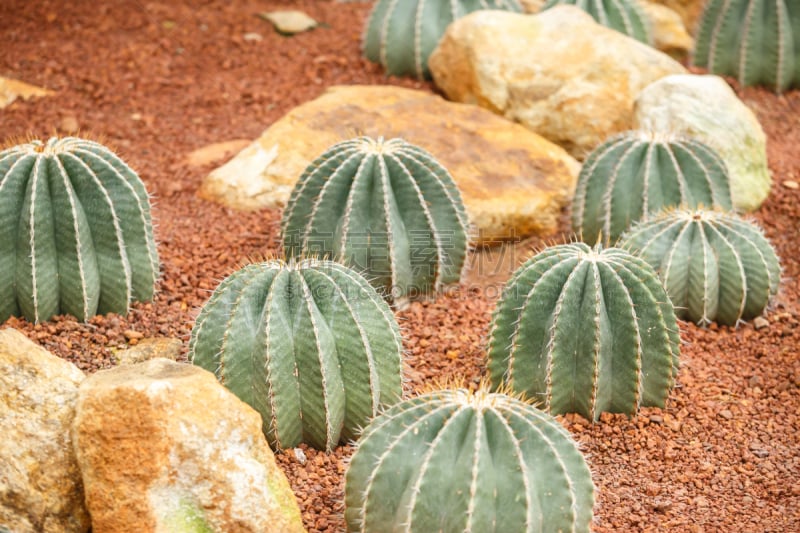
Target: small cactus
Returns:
[[454, 461], [401, 34], [310, 345], [715, 266], [76, 234], [585, 330], [625, 16], [757, 41], [638, 173], [386, 208]]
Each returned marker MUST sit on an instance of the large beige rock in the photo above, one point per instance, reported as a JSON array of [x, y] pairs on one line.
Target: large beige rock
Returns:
[[40, 484], [668, 30], [559, 73], [163, 447], [513, 181], [706, 108], [690, 11], [11, 89]]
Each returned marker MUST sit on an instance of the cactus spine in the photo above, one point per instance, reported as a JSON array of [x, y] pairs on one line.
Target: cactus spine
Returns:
[[638, 173], [455, 461], [386, 208], [625, 16], [715, 266], [309, 345], [76, 233], [585, 330]]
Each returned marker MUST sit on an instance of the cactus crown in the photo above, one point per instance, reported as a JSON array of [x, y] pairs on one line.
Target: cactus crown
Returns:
[[638, 173], [76, 234], [585, 330], [715, 266], [625, 16], [455, 461], [309, 344]]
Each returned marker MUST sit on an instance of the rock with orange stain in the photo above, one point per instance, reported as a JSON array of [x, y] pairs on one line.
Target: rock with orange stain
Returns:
[[11, 89]]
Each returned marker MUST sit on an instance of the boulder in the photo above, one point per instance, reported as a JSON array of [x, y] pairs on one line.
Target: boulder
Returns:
[[669, 32], [11, 89], [40, 483], [690, 11], [559, 73], [163, 446], [513, 181], [150, 348], [706, 108]]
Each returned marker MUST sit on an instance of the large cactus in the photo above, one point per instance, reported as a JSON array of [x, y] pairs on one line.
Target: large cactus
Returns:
[[401, 34], [386, 208], [637, 173], [310, 345], [585, 330], [625, 16], [455, 461], [715, 266], [757, 41], [76, 234]]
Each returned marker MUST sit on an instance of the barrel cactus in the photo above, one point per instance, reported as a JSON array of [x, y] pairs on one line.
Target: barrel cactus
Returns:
[[715, 265], [310, 345], [455, 461], [76, 234], [585, 330], [401, 34], [625, 16], [386, 208], [757, 41], [638, 173]]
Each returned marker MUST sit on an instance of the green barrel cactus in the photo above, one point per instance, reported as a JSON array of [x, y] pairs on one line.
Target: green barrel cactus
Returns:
[[715, 265], [76, 234], [638, 173], [385, 208], [401, 34], [454, 461], [585, 330], [310, 345], [625, 16], [756, 41]]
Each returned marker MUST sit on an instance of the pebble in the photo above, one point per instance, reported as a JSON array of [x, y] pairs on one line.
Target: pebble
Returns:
[[252, 37], [760, 322], [289, 22], [726, 414], [300, 455], [791, 184]]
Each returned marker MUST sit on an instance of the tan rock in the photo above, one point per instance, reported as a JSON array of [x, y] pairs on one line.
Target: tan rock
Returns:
[[669, 32], [40, 483], [690, 11], [213, 153], [559, 73], [163, 447], [290, 22], [513, 182], [11, 89], [150, 348]]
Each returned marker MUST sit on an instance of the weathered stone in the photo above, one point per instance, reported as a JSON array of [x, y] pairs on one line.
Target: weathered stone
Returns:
[[689, 11], [290, 22], [11, 89], [669, 33], [513, 181], [706, 108], [213, 153], [150, 348], [163, 447], [559, 73], [40, 484]]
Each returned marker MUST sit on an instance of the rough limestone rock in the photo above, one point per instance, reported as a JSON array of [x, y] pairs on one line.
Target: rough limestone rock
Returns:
[[150, 348], [559, 73], [11, 89], [513, 182], [163, 447], [669, 32], [706, 108], [40, 483]]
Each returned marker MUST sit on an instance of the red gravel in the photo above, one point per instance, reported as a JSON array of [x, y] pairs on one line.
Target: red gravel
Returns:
[[156, 80]]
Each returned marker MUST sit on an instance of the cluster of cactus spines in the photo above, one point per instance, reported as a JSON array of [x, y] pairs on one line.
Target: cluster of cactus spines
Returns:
[[585, 330], [76, 235], [385, 208], [638, 173], [455, 461], [625, 16], [401, 34], [757, 41], [310, 345], [715, 265]]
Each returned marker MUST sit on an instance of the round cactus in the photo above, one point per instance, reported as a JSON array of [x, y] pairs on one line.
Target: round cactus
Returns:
[[715, 266], [637, 173], [625, 16], [76, 235], [310, 345], [455, 461], [585, 330], [387, 209], [401, 34]]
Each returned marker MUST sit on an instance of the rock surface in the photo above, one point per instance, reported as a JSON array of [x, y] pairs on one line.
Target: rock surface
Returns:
[[559, 73], [11, 89], [163, 447], [669, 32], [150, 348], [40, 484], [513, 182], [289, 22], [689, 11], [215, 152], [706, 108]]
